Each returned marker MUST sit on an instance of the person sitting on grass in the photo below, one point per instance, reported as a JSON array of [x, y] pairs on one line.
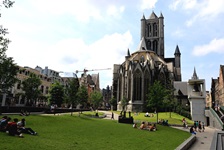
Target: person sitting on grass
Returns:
[[147, 114], [143, 126], [4, 124], [135, 125], [21, 126], [12, 128]]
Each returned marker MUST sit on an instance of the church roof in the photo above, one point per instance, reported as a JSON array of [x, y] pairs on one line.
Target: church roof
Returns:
[[180, 88], [142, 44], [153, 16]]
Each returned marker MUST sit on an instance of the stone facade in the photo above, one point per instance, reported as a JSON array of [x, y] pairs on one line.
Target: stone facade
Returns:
[[133, 77], [47, 77], [217, 89]]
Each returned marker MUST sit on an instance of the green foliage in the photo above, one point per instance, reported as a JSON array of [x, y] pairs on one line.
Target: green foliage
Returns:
[[113, 102], [82, 95], [56, 94], [31, 88], [84, 133], [156, 95], [124, 103], [8, 69], [8, 72], [71, 92], [96, 98]]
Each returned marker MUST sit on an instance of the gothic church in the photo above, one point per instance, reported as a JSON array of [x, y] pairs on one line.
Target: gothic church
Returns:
[[133, 77]]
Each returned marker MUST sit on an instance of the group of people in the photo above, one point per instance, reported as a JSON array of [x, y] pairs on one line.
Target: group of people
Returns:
[[198, 126], [146, 126], [15, 127]]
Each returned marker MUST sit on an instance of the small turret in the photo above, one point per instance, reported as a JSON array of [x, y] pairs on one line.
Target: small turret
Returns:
[[128, 54], [177, 57], [195, 76], [143, 26]]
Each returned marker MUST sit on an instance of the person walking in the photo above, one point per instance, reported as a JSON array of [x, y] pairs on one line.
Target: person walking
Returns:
[[112, 116]]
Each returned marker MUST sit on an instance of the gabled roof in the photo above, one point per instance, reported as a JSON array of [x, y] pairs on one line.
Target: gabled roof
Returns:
[[180, 88], [153, 16], [142, 45]]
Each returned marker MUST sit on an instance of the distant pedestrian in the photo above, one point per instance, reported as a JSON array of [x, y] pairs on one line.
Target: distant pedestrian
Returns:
[[112, 116], [203, 126]]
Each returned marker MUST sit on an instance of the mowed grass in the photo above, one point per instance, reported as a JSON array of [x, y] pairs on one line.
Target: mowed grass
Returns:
[[174, 119], [84, 133]]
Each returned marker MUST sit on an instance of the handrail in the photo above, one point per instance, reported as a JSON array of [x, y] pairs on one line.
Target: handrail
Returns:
[[215, 114]]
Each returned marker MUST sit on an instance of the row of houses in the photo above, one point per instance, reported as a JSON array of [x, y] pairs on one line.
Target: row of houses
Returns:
[[15, 96]]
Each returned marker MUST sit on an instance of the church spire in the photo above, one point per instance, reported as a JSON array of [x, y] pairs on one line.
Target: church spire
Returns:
[[177, 51], [143, 17], [128, 52], [195, 76]]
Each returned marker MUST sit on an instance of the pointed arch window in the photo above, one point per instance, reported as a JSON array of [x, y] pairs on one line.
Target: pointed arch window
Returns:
[[137, 85], [129, 84], [147, 81], [155, 46], [149, 45], [149, 30], [155, 29]]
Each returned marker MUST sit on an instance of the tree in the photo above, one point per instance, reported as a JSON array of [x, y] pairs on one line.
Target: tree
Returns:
[[96, 98], [169, 99], [56, 94], [124, 103], [8, 69], [72, 91], [156, 96], [31, 88], [82, 95], [113, 102]]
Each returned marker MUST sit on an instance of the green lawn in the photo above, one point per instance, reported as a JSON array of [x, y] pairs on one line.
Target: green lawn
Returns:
[[174, 119], [65, 132]]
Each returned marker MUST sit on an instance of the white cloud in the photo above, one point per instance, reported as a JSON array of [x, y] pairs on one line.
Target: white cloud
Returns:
[[115, 11], [215, 46], [148, 4], [81, 10], [178, 33], [70, 55], [183, 4], [199, 10]]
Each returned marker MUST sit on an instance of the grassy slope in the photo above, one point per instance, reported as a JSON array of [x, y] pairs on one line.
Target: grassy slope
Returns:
[[82, 133]]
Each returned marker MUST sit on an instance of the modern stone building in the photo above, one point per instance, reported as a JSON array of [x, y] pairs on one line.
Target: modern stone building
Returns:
[[133, 77]]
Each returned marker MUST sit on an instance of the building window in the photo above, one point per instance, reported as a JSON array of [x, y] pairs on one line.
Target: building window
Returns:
[[155, 46], [147, 80], [155, 29], [137, 85]]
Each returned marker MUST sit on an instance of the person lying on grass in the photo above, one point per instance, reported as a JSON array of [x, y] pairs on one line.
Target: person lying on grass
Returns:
[[21, 127]]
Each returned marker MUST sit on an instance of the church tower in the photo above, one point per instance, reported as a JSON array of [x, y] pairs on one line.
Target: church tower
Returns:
[[152, 29]]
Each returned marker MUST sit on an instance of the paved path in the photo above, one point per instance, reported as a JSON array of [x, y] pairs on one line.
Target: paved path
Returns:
[[108, 115]]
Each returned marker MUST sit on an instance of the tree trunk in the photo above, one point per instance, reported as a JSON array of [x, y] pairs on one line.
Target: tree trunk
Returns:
[[3, 99]]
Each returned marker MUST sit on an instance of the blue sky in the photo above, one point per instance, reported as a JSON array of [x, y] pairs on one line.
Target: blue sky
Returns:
[[72, 35]]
